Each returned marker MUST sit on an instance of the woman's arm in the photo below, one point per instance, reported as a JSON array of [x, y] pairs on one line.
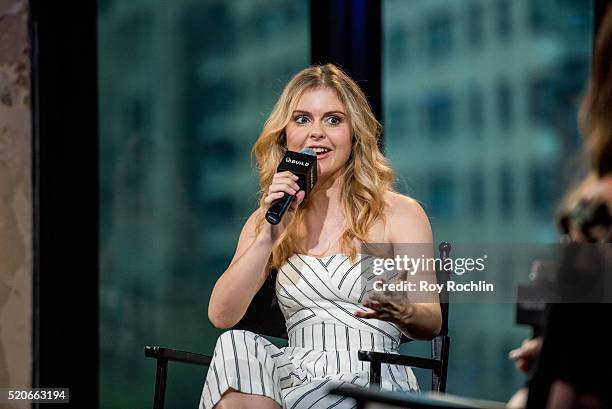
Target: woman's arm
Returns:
[[245, 275], [249, 268], [407, 223]]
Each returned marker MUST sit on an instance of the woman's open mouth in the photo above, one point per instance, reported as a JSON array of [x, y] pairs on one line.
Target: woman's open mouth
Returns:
[[322, 153]]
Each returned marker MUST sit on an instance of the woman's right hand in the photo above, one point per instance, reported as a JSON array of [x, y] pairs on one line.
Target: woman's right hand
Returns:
[[282, 183]]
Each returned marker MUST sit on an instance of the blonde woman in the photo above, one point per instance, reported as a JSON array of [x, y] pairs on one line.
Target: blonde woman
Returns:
[[315, 249]]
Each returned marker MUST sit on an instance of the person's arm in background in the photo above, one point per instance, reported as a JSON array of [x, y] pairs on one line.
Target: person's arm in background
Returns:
[[593, 191], [525, 355]]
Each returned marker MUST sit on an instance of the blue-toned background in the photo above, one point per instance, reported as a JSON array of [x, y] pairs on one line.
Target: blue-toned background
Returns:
[[479, 110]]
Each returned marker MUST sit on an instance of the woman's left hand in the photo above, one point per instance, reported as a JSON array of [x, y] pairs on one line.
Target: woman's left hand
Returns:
[[388, 305]]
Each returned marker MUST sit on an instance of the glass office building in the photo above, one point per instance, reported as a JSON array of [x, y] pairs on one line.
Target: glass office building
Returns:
[[480, 104]]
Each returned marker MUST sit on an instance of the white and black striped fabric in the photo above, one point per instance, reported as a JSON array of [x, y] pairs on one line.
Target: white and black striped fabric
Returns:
[[318, 297]]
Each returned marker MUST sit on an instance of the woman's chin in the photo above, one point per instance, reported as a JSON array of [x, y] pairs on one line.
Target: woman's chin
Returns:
[[324, 174]]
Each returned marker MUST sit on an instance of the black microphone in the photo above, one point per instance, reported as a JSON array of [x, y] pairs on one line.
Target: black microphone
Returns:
[[303, 164]]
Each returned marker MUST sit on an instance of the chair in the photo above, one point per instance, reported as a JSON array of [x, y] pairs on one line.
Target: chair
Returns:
[[438, 363], [264, 302]]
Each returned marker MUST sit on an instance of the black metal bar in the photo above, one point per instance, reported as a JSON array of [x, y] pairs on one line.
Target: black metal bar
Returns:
[[439, 345], [163, 355], [375, 374], [395, 359], [160, 383], [372, 358], [444, 366], [177, 356], [444, 249], [410, 400], [436, 353]]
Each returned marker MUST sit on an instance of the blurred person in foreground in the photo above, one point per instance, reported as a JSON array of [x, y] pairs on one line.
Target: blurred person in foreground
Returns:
[[575, 352]]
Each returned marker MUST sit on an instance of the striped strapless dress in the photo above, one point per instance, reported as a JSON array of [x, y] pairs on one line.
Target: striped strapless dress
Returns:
[[318, 297]]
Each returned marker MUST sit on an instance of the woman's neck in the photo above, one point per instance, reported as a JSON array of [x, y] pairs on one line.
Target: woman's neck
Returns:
[[324, 217], [326, 198]]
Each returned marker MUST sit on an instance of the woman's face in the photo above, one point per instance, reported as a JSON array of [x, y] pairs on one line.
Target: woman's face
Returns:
[[320, 121]]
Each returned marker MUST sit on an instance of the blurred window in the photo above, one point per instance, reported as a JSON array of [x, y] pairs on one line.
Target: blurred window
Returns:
[[185, 87]]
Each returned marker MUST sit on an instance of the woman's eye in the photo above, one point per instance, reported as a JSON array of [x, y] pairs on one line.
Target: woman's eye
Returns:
[[334, 120], [301, 119]]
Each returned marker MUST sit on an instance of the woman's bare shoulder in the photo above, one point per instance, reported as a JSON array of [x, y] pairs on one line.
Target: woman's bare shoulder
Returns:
[[406, 219], [403, 206]]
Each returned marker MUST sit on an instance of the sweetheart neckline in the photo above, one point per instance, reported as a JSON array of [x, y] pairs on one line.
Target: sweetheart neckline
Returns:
[[321, 258]]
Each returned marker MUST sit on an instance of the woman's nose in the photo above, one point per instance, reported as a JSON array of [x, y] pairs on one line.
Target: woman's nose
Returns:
[[317, 131]]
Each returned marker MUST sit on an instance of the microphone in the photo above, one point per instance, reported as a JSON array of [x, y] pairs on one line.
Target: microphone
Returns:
[[303, 164]]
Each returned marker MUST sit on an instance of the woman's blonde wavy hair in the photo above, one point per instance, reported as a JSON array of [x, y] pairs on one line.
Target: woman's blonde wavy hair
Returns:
[[367, 175]]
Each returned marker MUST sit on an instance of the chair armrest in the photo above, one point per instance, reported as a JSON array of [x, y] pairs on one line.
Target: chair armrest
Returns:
[[414, 400], [177, 356], [163, 355], [404, 360]]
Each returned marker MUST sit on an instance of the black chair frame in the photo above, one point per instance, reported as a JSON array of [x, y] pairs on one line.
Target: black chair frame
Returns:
[[438, 363], [440, 345]]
